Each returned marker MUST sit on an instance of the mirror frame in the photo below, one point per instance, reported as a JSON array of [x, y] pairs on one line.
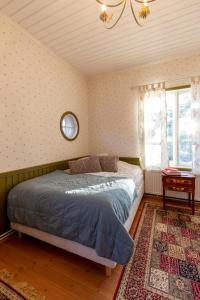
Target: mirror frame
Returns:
[[61, 129]]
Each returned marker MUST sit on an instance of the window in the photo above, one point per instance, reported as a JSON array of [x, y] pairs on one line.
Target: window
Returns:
[[179, 127], [69, 126]]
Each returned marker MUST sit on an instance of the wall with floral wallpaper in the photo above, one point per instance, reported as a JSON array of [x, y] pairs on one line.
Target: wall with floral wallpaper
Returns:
[[36, 88], [113, 105]]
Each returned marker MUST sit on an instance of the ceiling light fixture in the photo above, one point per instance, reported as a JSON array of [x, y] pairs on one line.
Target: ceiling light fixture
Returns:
[[106, 16]]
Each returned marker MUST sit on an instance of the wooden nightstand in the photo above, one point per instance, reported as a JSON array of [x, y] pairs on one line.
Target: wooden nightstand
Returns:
[[183, 183]]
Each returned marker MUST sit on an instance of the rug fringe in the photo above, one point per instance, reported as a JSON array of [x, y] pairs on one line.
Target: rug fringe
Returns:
[[22, 287]]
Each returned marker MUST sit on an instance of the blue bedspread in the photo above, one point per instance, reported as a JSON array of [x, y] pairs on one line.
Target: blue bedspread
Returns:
[[85, 208]]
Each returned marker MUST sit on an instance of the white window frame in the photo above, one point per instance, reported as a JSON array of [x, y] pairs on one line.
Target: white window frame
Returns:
[[175, 162]]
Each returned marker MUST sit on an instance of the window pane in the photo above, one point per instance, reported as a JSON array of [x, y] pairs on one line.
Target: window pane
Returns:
[[185, 136], [179, 137], [171, 106]]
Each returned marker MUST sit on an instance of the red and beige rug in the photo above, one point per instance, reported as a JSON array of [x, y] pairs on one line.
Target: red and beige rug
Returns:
[[166, 260], [13, 290]]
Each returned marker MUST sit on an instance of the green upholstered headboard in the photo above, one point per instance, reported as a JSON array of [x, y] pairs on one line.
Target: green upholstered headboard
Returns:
[[9, 179], [131, 160]]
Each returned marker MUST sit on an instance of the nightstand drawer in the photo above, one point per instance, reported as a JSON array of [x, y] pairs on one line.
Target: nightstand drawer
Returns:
[[181, 181], [179, 189]]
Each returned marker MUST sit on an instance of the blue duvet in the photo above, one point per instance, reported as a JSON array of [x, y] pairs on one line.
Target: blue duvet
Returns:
[[84, 208]]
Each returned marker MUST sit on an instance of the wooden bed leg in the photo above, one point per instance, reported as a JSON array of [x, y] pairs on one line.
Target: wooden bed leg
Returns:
[[108, 271], [19, 234]]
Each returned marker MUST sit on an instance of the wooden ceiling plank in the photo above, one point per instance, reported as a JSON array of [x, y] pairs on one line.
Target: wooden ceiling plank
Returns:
[[154, 53], [73, 31], [34, 7], [92, 69], [110, 37], [125, 41], [14, 5], [58, 18], [142, 44], [45, 12], [3, 3], [135, 56], [71, 26], [88, 15]]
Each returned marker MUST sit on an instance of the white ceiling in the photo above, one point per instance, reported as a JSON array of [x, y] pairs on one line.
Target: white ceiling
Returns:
[[72, 29]]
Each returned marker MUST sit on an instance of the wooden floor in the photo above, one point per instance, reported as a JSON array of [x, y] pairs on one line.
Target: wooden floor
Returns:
[[57, 274]]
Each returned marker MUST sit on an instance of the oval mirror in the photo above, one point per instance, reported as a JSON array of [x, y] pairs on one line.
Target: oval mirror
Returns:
[[69, 126]]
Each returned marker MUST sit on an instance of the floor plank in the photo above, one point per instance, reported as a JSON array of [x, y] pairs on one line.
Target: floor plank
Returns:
[[58, 274]]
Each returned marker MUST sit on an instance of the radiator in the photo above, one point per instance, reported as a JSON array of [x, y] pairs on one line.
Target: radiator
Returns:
[[153, 185]]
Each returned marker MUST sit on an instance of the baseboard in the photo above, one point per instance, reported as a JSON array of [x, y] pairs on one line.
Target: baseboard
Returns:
[[167, 197], [6, 234]]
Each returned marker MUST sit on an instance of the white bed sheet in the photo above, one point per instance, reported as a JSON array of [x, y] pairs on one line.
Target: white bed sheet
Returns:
[[125, 170]]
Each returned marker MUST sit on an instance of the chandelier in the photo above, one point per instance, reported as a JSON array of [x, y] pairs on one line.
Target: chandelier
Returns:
[[106, 16]]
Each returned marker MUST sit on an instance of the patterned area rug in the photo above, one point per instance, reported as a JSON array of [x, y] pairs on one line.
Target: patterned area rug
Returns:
[[166, 260], [12, 290]]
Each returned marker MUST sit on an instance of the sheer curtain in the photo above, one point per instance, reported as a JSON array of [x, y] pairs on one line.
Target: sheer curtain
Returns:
[[152, 126], [195, 86]]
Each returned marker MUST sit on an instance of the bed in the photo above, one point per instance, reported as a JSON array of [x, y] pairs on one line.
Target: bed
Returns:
[[123, 192]]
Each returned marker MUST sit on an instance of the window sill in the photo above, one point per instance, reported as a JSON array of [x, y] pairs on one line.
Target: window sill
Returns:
[[182, 168]]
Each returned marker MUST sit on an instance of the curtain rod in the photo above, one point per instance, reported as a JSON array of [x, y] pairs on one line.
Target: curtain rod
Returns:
[[179, 87], [167, 81]]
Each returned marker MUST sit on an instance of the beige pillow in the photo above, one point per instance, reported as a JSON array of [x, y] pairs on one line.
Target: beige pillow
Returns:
[[109, 163], [85, 165]]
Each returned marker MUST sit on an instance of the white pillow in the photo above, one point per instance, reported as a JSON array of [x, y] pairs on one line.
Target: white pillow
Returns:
[[124, 166], [68, 171]]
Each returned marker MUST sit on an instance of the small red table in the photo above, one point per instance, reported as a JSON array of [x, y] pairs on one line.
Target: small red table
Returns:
[[181, 183]]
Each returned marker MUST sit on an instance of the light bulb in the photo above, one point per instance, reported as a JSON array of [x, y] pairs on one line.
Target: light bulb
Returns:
[[103, 8], [146, 3]]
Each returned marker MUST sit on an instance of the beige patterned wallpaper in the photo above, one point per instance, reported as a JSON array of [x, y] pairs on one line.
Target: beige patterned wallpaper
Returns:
[[36, 88], [113, 105]]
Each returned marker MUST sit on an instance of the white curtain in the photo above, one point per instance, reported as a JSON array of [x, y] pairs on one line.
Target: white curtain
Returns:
[[195, 86], [152, 126]]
